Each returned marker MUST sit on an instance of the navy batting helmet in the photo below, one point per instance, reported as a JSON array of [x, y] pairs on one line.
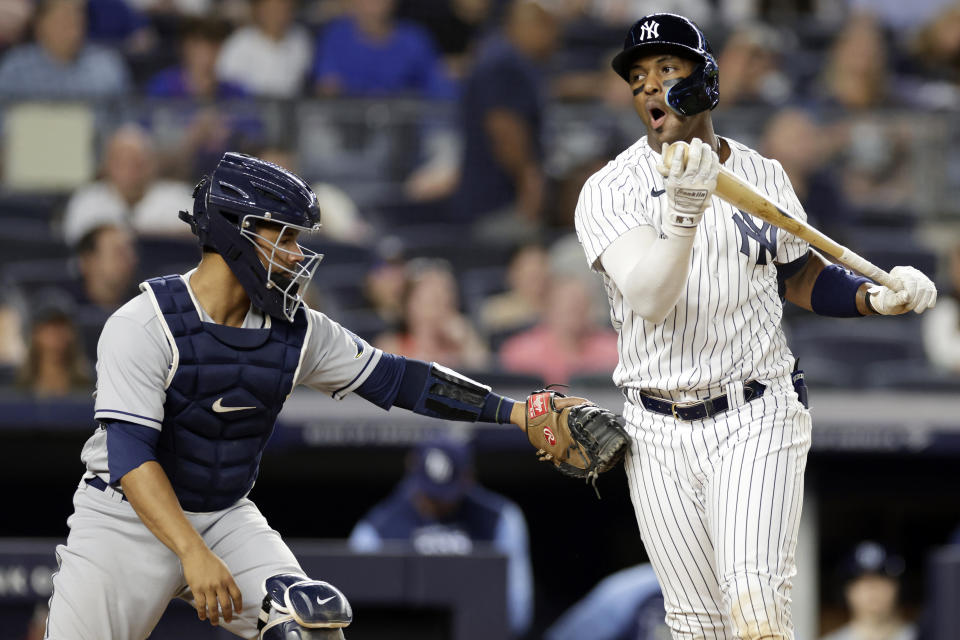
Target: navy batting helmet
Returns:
[[231, 206], [697, 92]]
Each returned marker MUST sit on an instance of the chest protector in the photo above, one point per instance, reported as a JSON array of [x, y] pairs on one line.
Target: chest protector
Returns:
[[228, 386]]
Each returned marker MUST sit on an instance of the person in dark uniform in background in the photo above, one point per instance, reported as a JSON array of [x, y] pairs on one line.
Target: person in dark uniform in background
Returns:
[[501, 188], [438, 508]]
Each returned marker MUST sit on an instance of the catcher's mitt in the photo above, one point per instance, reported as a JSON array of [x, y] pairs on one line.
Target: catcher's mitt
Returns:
[[580, 438]]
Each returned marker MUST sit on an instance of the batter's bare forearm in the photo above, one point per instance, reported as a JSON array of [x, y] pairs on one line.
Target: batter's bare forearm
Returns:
[[800, 285], [151, 495]]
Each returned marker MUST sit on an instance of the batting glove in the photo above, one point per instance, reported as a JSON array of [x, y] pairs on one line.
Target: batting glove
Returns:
[[689, 186], [918, 294]]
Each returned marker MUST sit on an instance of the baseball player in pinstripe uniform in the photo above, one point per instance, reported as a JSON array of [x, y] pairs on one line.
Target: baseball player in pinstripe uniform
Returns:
[[720, 431], [191, 375]]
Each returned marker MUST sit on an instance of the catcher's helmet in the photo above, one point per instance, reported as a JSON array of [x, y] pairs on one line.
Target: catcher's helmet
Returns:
[[228, 206], [697, 92]]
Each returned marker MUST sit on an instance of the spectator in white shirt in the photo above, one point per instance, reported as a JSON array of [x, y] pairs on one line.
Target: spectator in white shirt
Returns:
[[129, 193], [269, 58]]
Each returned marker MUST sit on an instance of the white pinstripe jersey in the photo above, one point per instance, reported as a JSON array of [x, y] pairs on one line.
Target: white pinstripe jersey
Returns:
[[726, 324]]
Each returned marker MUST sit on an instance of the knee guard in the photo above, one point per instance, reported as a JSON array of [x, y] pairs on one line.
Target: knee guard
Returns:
[[297, 608]]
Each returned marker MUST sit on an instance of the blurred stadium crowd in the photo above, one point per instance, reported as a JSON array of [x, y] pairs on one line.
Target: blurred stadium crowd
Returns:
[[448, 140]]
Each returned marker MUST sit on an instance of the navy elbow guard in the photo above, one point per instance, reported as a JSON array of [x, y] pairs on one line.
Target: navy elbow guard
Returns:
[[835, 292], [451, 396]]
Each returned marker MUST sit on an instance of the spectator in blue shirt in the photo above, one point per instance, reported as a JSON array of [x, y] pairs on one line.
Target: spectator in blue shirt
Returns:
[[439, 509], [196, 75], [502, 105], [115, 23], [60, 63], [370, 53]]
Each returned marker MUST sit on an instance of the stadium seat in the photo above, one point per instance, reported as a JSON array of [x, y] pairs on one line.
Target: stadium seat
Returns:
[[444, 241], [33, 207], [910, 374], [163, 254], [31, 275], [343, 282], [477, 284], [29, 240], [8, 376], [890, 247], [339, 253], [827, 372], [832, 351], [89, 322]]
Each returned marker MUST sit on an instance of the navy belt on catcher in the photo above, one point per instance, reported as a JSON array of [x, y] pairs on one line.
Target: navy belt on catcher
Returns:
[[97, 483], [699, 409]]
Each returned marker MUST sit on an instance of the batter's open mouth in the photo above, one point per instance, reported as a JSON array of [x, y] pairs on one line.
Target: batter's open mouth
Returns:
[[657, 116]]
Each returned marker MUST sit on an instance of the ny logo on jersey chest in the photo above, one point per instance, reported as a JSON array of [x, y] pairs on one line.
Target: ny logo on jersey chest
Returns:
[[649, 30], [765, 235]]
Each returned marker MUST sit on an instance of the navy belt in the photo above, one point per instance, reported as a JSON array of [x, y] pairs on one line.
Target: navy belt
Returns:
[[97, 483], [699, 409]]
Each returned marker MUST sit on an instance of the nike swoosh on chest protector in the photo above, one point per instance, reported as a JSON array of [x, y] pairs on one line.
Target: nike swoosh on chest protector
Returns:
[[219, 408]]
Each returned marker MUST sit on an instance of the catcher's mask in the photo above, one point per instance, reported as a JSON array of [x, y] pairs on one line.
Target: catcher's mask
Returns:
[[231, 209], [688, 96]]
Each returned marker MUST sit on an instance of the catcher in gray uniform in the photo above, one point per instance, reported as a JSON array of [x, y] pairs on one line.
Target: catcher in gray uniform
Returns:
[[191, 375]]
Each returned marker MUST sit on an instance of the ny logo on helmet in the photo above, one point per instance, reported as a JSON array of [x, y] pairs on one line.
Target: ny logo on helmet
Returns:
[[649, 30]]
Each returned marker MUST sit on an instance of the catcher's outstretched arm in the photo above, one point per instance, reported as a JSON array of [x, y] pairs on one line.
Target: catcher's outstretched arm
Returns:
[[581, 439], [433, 390]]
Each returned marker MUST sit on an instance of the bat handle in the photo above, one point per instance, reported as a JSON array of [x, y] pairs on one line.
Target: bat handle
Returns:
[[867, 268]]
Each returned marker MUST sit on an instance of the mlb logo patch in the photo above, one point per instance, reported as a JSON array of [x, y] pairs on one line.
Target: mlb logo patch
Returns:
[[538, 405]]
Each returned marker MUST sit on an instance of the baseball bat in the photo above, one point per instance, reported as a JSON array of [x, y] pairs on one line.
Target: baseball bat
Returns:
[[746, 198]]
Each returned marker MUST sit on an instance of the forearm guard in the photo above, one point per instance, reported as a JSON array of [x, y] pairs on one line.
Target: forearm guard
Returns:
[[451, 396]]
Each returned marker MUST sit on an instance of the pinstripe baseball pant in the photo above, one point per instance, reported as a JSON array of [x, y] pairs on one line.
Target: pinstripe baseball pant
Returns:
[[718, 504]]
